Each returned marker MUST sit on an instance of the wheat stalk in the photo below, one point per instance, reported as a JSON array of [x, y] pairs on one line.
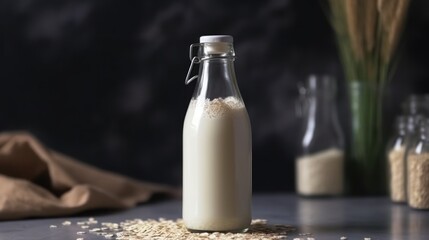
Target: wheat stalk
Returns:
[[386, 9], [370, 11], [368, 33], [395, 29], [354, 28]]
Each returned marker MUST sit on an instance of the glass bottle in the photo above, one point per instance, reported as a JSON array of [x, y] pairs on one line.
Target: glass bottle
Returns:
[[396, 161], [412, 136], [418, 169], [217, 144], [320, 164]]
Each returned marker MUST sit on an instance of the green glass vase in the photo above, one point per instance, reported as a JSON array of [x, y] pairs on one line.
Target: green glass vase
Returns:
[[365, 168]]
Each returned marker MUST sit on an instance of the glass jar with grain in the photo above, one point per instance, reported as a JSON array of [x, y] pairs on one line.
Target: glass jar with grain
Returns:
[[418, 169]]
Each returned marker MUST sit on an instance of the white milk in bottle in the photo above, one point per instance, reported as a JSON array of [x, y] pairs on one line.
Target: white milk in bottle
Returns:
[[217, 145]]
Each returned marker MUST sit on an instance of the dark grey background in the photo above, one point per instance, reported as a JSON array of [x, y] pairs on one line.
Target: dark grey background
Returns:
[[102, 80]]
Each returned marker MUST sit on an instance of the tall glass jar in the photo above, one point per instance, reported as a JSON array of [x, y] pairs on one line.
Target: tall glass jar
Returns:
[[418, 169], [396, 161], [320, 164], [217, 144]]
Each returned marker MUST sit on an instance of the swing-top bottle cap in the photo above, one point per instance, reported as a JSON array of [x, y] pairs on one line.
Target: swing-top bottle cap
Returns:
[[211, 47], [217, 44], [216, 39]]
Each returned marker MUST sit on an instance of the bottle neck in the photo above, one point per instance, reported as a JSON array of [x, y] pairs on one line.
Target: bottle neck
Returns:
[[321, 108], [401, 126], [217, 79], [424, 130], [322, 128]]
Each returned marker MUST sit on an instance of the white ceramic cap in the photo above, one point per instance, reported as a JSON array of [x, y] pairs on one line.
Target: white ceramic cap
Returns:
[[216, 38]]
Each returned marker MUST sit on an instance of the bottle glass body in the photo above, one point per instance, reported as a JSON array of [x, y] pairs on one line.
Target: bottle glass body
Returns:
[[396, 161], [418, 169], [320, 165], [217, 148]]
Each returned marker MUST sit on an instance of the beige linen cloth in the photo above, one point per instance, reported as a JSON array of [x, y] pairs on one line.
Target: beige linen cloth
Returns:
[[36, 181]]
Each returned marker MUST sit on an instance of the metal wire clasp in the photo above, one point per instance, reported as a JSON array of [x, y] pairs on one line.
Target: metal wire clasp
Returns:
[[194, 60]]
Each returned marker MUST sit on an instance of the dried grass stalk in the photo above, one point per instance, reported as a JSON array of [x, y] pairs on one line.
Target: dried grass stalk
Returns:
[[368, 32], [370, 26], [386, 9], [354, 28], [395, 29]]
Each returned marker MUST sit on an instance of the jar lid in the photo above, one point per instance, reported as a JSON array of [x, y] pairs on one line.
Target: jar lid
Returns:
[[216, 38]]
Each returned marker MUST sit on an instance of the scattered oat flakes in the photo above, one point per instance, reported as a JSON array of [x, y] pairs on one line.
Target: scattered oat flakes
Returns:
[[168, 229], [66, 223], [108, 236]]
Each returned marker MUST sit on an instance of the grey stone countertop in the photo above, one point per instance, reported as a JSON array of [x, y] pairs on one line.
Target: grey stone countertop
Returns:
[[326, 218]]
